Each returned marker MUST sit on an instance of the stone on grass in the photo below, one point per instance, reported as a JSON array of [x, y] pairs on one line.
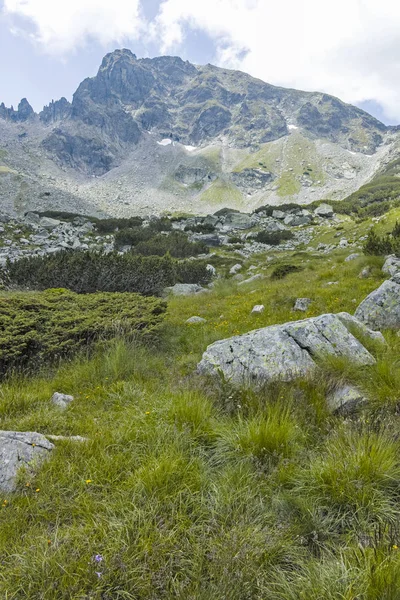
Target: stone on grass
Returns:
[[235, 269], [284, 352], [20, 449], [251, 279], [258, 309], [364, 273], [351, 257], [211, 269], [302, 304], [184, 289], [324, 210], [381, 309], [61, 400], [345, 399], [194, 320]]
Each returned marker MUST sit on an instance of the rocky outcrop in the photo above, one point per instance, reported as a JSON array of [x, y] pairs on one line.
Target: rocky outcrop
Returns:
[[391, 266], [18, 450], [23, 113], [381, 309], [285, 352]]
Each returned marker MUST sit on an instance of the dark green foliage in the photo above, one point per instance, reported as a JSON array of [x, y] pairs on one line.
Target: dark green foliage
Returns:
[[380, 246], [274, 238], [132, 236], [88, 272], [43, 328], [202, 228], [65, 216], [192, 271], [162, 224], [176, 244], [222, 212], [282, 270], [235, 239], [268, 210], [396, 230], [111, 225]]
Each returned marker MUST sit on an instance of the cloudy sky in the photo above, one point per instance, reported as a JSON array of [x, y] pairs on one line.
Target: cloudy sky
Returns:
[[348, 48]]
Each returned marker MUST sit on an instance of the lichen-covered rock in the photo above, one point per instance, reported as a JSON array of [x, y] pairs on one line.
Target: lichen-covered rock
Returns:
[[381, 309], [196, 320], [284, 352], [391, 266], [302, 304], [324, 210], [20, 449]]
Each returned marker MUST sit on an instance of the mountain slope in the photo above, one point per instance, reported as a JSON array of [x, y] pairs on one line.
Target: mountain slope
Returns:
[[163, 134]]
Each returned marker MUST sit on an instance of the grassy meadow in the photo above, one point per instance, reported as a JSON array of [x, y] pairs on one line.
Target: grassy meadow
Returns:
[[187, 489]]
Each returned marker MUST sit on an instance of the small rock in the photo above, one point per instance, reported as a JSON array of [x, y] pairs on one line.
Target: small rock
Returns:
[[365, 273], [324, 210], [343, 243], [211, 269], [351, 257], [61, 400], [235, 269], [194, 320], [345, 399], [184, 289], [251, 279], [302, 304], [258, 309]]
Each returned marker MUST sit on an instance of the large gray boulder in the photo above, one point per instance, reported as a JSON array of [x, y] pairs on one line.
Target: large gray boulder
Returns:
[[324, 210], [184, 289], [18, 450], [381, 309], [238, 221], [285, 352]]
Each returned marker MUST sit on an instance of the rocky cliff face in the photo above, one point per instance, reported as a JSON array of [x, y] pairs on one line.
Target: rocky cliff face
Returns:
[[208, 135]]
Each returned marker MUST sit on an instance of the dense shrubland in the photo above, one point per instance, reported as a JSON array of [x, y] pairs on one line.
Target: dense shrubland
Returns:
[[385, 244], [87, 272], [43, 328]]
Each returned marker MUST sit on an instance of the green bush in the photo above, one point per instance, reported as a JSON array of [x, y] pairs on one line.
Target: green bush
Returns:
[[132, 236], [176, 244], [42, 328], [380, 246], [282, 270], [88, 272], [111, 225], [274, 238], [162, 224], [202, 228]]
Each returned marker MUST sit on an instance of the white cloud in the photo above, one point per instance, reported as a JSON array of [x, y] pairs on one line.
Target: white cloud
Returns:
[[60, 27], [349, 48]]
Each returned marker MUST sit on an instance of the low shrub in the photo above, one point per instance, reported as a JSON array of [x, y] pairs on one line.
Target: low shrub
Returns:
[[202, 228], [282, 270], [132, 236], [88, 272], [43, 328], [380, 246], [274, 238], [111, 225], [176, 244]]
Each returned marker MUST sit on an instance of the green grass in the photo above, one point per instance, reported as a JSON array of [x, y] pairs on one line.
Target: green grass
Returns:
[[188, 489], [222, 193]]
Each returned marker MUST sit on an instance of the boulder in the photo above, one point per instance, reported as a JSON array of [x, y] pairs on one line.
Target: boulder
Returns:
[[284, 352], [238, 221], [302, 304], [48, 223], [381, 309], [184, 289], [235, 269], [195, 320], [20, 450], [391, 266], [251, 279], [351, 257], [61, 400], [324, 210], [258, 309], [297, 220], [210, 239], [278, 214], [364, 273], [211, 269]]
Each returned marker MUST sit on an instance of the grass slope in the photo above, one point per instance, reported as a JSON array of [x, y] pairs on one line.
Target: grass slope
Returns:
[[186, 489]]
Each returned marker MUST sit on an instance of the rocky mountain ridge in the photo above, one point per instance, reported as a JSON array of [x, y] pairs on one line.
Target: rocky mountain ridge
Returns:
[[165, 135]]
